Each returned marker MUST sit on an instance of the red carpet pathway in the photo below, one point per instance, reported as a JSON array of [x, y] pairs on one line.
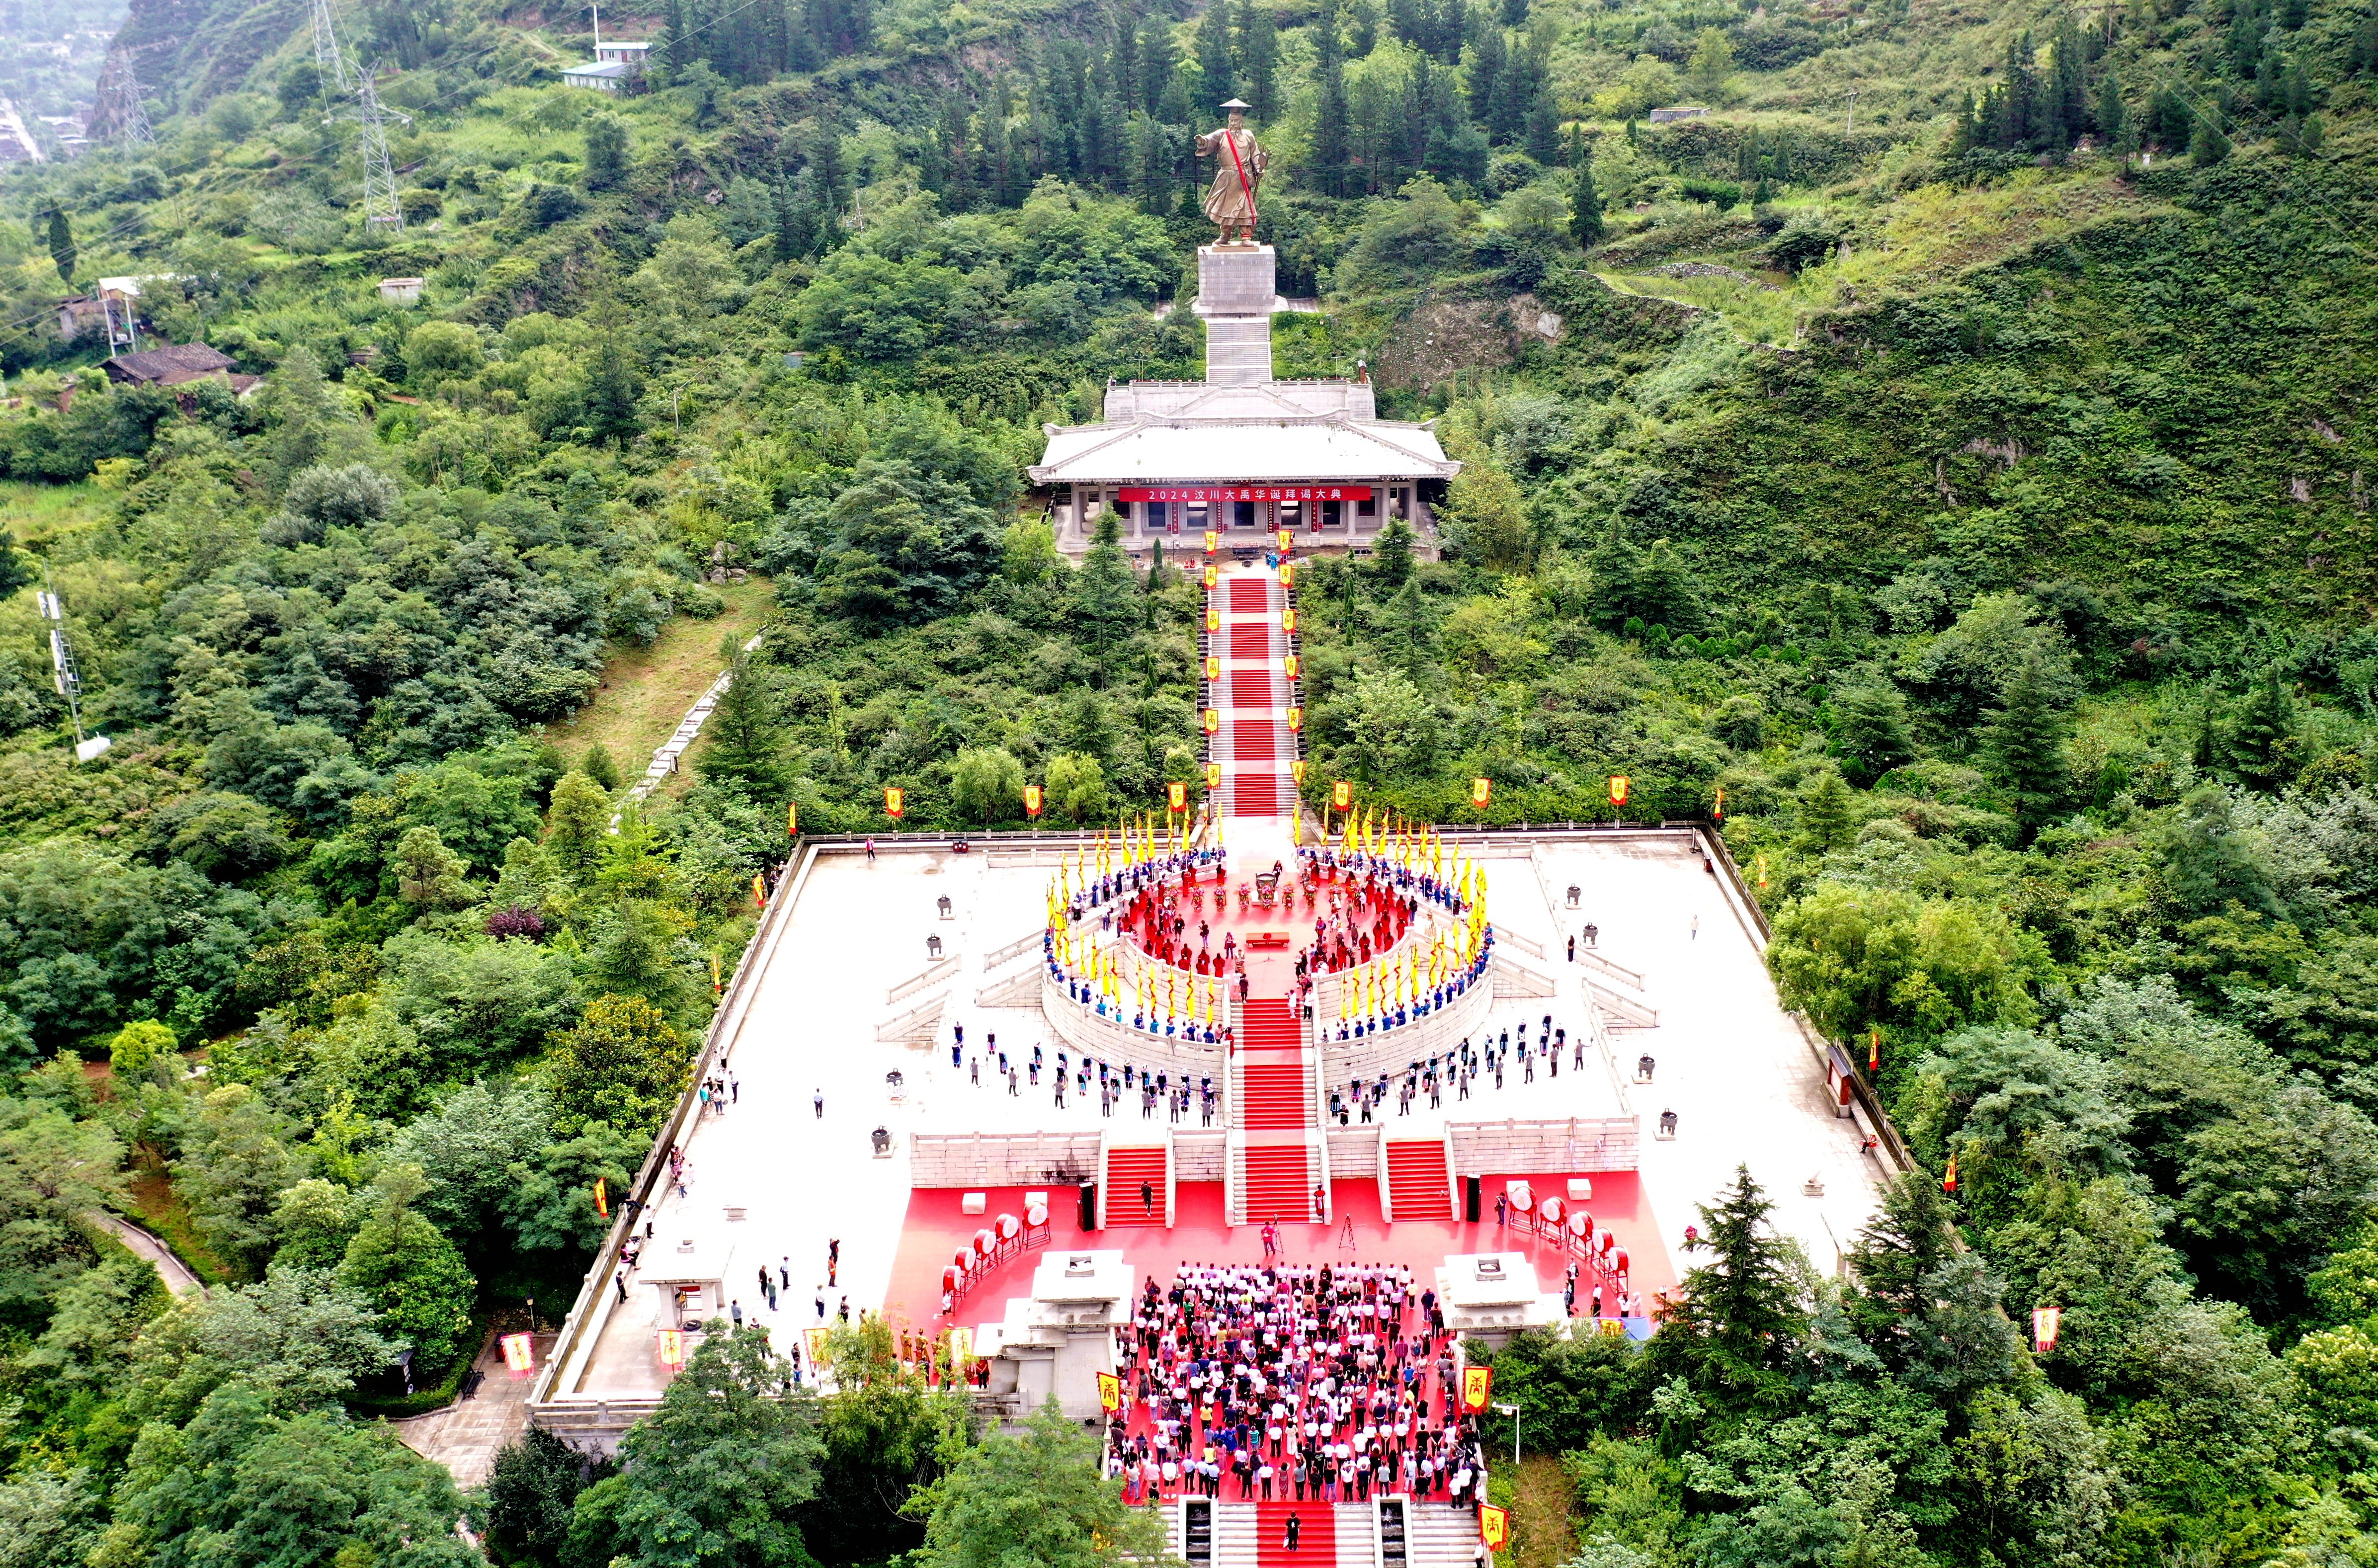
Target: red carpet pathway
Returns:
[[1417, 1185], [1255, 745], [1127, 1170], [1316, 1534]]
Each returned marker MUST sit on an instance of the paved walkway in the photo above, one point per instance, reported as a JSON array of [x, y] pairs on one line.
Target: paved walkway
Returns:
[[1746, 1088], [664, 758], [171, 1270], [465, 1435]]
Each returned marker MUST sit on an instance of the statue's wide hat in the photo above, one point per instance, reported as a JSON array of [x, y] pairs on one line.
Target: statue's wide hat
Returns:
[[1234, 103]]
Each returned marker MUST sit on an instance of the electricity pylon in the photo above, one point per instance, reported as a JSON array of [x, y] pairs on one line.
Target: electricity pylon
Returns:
[[120, 87], [380, 206], [329, 64]]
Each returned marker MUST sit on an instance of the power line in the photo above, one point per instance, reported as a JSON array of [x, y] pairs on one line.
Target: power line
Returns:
[[329, 64], [18, 326]]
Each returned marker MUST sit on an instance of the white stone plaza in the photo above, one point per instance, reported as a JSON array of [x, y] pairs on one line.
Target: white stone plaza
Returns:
[[842, 961]]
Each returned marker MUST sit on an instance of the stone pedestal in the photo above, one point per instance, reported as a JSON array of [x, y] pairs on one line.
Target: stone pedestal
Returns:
[[1236, 286]]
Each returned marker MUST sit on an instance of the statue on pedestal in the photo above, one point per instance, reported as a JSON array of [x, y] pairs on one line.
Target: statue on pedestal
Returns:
[[1231, 199]]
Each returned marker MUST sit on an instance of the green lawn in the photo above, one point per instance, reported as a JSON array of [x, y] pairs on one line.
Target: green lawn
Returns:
[[646, 691]]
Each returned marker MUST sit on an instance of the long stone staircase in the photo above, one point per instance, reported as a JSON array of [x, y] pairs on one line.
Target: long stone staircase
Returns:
[[1255, 746]]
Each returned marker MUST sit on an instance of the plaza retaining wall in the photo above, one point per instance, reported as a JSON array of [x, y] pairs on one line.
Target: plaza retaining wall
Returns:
[[1002, 1159], [1573, 1143]]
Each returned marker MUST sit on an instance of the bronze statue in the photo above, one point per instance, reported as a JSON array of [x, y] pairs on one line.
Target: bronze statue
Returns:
[[1231, 199]]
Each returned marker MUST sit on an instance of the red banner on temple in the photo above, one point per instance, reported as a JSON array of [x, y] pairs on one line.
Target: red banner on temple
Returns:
[[1129, 493]]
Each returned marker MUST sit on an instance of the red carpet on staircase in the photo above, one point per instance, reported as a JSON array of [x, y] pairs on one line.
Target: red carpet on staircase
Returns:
[[1269, 1021], [1250, 639], [1257, 742], [1316, 1534], [1280, 1183], [1417, 1184], [1272, 1097], [1127, 1170], [1259, 794], [1250, 595]]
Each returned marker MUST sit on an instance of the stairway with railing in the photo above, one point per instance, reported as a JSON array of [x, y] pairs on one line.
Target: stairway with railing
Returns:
[[1254, 746]]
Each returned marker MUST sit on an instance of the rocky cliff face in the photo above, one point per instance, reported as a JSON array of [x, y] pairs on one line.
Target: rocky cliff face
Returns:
[[188, 52]]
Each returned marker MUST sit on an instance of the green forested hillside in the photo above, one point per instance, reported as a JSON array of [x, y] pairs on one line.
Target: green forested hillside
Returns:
[[1950, 453]]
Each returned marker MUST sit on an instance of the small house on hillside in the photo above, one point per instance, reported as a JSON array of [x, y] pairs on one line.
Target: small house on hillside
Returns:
[[172, 367], [1678, 111], [616, 69], [401, 291]]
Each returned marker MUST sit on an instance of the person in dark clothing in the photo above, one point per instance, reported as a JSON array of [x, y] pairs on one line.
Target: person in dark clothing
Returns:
[[1146, 1198], [1295, 1528]]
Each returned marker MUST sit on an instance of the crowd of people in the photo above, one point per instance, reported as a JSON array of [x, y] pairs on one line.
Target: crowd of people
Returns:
[[1460, 1069], [1117, 1084], [1302, 1382]]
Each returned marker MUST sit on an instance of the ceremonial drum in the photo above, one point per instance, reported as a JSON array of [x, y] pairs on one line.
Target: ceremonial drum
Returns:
[[1036, 1214], [984, 1241], [1523, 1198], [1581, 1227], [1008, 1225], [964, 1260], [1551, 1213], [949, 1278]]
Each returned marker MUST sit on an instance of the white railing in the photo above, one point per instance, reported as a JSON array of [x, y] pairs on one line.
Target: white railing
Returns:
[[1619, 973], [1002, 1159], [1577, 1143], [1358, 1153], [932, 976], [1113, 1041], [1031, 941], [1202, 1155]]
